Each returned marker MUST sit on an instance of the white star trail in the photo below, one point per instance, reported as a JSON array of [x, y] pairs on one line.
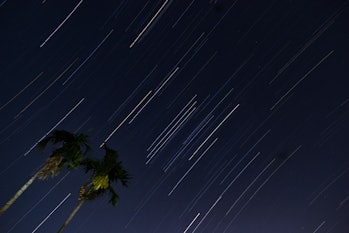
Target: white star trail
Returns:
[[327, 186], [149, 23], [61, 24], [183, 13], [88, 57], [191, 223], [260, 187], [125, 119], [188, 141], [135, 18], [45, 90], [171, 132], [321, 30], [207, 213], [134, 92], [49, 215], [213, 131], [245, 155], [249, 186], [38, 202], [21, 91], [239, 174], [191, 167], [58, 123], [318, 228], [300, 80], [174, 119]]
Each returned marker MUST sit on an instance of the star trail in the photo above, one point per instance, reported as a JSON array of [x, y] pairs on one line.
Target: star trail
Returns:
[[230, 115]]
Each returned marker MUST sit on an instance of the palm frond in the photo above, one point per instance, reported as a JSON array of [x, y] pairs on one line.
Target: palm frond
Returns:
[[43, 143], [114, 196]]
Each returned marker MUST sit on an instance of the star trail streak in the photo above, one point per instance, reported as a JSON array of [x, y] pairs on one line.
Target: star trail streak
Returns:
[[207, 213], [54, 127], [149, 23], [191, 167], [61, 24], [125, 119], [215, 129], [38, 202], [249, 186], [21, 91], [300, 80], [49, 215], [191, 223], [88, 57], [259, 188]]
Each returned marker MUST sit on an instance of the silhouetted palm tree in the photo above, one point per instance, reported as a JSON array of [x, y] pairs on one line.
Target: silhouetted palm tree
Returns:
[[72, 148], [104, 173]]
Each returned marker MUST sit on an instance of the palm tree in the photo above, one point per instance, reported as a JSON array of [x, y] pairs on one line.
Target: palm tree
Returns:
[[105, 172], [73, 148]]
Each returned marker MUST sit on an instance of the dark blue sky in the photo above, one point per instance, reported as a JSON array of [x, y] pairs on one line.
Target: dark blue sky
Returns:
[[231, 116]]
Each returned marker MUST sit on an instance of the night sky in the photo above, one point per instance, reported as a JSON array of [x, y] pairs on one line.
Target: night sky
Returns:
[[230, 115]]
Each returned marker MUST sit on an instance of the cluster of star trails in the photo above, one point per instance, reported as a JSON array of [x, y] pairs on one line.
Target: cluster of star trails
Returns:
[[221, 110]]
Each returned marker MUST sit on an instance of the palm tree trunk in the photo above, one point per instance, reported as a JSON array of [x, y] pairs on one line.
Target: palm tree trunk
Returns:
[[19, 193], [71, 216]]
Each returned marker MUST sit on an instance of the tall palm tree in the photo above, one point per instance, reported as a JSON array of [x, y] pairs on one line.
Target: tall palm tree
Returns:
[[104, 173], [72, 148]]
